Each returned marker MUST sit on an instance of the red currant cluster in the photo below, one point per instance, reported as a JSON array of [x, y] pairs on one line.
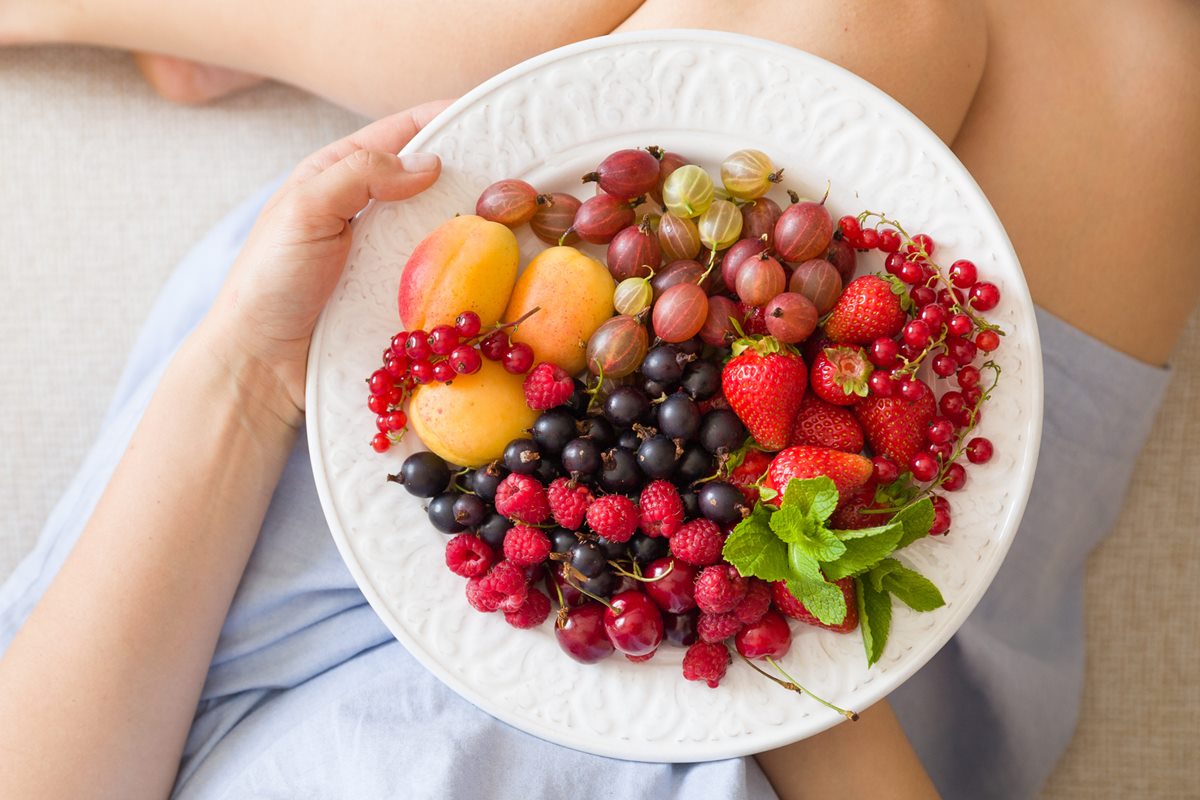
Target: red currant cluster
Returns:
[[415, 358]]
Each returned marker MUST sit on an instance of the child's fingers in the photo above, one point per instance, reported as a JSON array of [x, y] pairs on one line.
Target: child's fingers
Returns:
[[319, 207]]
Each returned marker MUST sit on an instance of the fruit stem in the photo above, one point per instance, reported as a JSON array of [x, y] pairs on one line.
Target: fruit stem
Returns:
[[791, 685], [638, 576], [519, 319], [591, 177], [567, 579], [712, 260]]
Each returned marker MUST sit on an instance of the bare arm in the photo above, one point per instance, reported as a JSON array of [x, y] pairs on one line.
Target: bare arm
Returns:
[[98, 689]]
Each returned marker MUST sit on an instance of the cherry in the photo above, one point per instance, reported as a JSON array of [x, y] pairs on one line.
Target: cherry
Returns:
[[916, 333], [889, 240], [675, 592], [379, 382], [849, 227], [923, 466], [770, 637], [380, 443], [987, 341], [518, 359], [582, 636], [955, 478], [963, 273], [421, 371], [633, 623], [944, 365], [377, 403], [885, 469], [467, 324], [494, 345], [681, 628], [416, 346], [968, 376], [979, 450], [881, 384], [443, 372], [940, 430], [443, 339], [959, 325], [985, 296]]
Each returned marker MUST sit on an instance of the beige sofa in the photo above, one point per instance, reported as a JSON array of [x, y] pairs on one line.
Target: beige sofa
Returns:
[[103, 187]]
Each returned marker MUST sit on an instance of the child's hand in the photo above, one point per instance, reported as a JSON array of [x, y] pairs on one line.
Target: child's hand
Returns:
[[298, 247]]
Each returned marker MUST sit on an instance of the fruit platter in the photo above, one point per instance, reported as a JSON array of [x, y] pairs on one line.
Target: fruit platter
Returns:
[[670, 433]]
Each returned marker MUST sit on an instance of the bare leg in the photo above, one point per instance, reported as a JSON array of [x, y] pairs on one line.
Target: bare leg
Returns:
[[190, 82]]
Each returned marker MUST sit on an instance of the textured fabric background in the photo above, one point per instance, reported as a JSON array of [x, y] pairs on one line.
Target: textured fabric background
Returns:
[[103, 187]]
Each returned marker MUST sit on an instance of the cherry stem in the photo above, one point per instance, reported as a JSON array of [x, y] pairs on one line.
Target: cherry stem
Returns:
[[792, 684], [638, 576], [567, 578]]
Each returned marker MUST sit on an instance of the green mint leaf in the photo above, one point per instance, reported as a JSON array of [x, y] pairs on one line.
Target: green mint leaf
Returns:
[[874, 618], [754, 550], [863, 553], [881, 571], [767, 493], [867, 533], [816, 497], [793, 526], [913, 589], [823, 599], [917, 519]]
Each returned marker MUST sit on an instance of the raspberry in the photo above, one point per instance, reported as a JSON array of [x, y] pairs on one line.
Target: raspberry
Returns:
[[533, 611], [717, 627], [640, 659], [507, 581], [522, 498], [568, 502], [698, 542], [525, 546], [789, 605], [482, 598], [660, 509], [468, 555], [719, 589], [614, 516], [706, 662], [756, 602], [547, 386]]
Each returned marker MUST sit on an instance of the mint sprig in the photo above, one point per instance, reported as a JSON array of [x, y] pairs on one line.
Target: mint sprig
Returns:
[[795, 544]]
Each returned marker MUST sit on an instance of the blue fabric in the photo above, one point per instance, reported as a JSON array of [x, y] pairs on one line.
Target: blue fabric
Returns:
[[310, 696]]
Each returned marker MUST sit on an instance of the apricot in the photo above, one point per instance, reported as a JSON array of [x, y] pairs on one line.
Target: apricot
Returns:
[[466, 264], [470, 420], [573, 293]]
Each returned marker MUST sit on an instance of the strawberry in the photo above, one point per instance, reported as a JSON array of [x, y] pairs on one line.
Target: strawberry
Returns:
[[868, 309], [848, 471], [896, 427], [839, 375], [788, 605], [849, 516], [821, 424], [746, 474], [764, 383]]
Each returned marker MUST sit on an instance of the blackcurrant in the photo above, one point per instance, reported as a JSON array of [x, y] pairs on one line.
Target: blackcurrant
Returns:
[[589, 558], [547, 471], [581, 457], [553, 429], [619, 472], [657, 456], [522, 456], [612, 550], [691, 504], [629, 439], [493, 530], [484, 481], [645, 549], [663, 365], [654, 389], [720, 429], [691, 347], [562, 540], [626, 405], [702, 380], [424, 474], [694, 464], [469, 510], [721, 502], [601, 585], [441, 513], [599, 430], [679, 417], [580, 398]]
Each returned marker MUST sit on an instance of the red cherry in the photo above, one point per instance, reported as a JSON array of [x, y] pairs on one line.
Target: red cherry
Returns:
[[582, 636], [955, 478], [467, 324], [923, 466], [885, 469], [465, 359], [676, 591], [770, 637], [380, 443], [960, 325], [443, 339], [985, 296], [979, 450], [518, 359], [633, 623], [987, 341], [963, 273]]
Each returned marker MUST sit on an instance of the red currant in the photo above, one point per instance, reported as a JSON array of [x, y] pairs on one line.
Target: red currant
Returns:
[[913, 389], [948, 299], [952, 403], [868, 239], [944, 365], [910, 272], [923, 466], [380, 443], [934, 316], [987, 341], [955, 478], [396, 366], [494, 345], [519, 358], [379, 382], [443, 339], [394, 396], [940, 430], [398, 343], [885, 469], [922, 296], [968, 376], [889, 240], [941, 451], [416, 346], [921, 243], [396, 420], [443, 372], [941, 518], [377, 403], [381, 423], [972, 395], [884, 353], [916, 333], [979, 450], [960, 325], [893, 263], [881, 384], [421, 371], [963, 273], [467, 324], [849, 227], [961, 350], [985, 296], [465, 359]]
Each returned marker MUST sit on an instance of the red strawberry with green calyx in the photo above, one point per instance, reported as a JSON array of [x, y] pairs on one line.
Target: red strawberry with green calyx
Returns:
[[822, 424], [764, 383], [790, 606], [868, 309], [840, 374], [848, 471], [896, 427]]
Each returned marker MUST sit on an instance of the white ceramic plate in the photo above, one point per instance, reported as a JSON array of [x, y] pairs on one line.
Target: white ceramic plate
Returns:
[[550, 120]]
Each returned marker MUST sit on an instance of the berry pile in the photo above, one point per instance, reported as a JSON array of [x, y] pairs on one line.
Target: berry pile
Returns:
[[757, 431]]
